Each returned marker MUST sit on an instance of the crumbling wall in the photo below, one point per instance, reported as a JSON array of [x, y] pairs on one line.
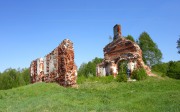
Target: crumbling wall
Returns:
[[57, 66]]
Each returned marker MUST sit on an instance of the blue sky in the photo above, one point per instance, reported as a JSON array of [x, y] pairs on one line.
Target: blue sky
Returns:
[[32, 28]]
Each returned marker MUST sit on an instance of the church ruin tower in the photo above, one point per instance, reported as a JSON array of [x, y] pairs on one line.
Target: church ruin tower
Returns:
[[121, 51], [117, 31]]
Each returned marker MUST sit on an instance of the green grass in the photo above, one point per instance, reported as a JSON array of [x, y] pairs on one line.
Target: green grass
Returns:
[[95, 94]]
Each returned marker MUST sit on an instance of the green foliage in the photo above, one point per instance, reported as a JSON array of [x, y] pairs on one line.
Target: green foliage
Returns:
[[122, 77], [170, 69], [82, 69], [151, 54], [89, 69], [139, 74], [163, 75], [11, 78], [151, 95], [129, 37], [81, 79], [26, 76], [174, 70], [122, 66], [105, 80], [162, 67], [178, 45]]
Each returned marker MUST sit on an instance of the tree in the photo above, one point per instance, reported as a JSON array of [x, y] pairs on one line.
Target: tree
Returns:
[[89, 69], [82, 69], [178, 45], [173, 70], [97, 60], [26, 75], [129, 37], [7, 79], [151, 54]]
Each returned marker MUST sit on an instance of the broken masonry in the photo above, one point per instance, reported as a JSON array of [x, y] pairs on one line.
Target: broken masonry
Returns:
[[57, 66]]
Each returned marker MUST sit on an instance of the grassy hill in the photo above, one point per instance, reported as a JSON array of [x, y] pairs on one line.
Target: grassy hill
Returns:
[[150, 95]]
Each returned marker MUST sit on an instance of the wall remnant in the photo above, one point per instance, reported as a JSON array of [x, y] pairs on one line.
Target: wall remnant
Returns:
[[118, 51], [57, 66]]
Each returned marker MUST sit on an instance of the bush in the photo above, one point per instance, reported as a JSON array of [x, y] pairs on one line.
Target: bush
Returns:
[[139, 74], [122, 77], [174, 70], [162, 68], [170, 69], [163, 75]]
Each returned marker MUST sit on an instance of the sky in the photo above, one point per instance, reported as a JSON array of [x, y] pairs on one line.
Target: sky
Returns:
[[30, 29]]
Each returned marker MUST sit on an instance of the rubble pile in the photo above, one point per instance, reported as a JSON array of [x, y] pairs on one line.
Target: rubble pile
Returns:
[[57, 66], [118, 51]]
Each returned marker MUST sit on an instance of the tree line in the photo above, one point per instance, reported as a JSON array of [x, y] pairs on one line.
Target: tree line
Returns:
[[170, 69], [12, 78], [89, 69]]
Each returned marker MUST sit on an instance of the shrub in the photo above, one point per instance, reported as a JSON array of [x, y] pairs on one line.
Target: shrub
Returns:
[[163, 75], [122, 77], [174, 70], [162, 68], [139, 74]]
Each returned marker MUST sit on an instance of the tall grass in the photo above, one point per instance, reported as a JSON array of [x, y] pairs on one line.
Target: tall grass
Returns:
[[95, 94]]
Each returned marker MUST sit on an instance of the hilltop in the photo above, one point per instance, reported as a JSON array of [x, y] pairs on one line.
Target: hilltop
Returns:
[[95, 94]]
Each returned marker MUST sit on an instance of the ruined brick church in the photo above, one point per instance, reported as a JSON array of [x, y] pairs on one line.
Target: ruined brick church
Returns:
[[121, 50]]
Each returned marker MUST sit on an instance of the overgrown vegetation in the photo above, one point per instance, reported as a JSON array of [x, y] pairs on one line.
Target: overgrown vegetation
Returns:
[[139, 74], [12, 78], [122, 73], [170, 69], [174, 70], [122, 77], [162, 67]]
